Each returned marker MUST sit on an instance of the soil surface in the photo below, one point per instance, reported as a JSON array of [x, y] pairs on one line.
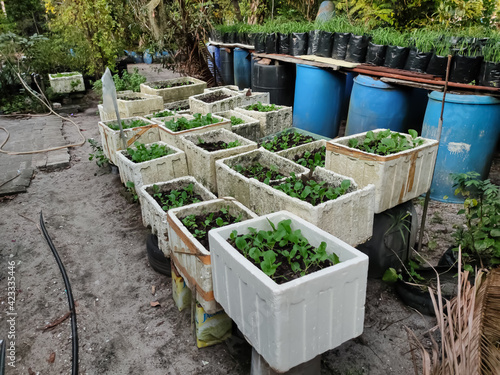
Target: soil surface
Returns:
[[310, 159], [214, 97], [258, 171], [102, 243], [204, 223], [213, 146], [170, 85], [286, 141]]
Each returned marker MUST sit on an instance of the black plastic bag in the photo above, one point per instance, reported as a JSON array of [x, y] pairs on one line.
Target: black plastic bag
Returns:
[[216, 36], [260, 43], [251, 39], [284, 44], [375, 54], [242, 38], [489, 75], [356, 49], [395, 57], [340, 42], [298, 44], [417, 61], [325, 44], [230, 37], [271, 43], [465, 69], [437, 65], [313, 42]]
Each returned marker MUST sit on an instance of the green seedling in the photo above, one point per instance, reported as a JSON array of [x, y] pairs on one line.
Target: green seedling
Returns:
[[175, 198], [312, 159], [236, 120], [259, 172], [386, 142], [98, 154], [286, 140], [262, 107], [128, 124], [142, 153], [130, 188], [185, 124]]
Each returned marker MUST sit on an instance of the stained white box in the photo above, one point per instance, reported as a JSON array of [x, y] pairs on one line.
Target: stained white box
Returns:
[[70, 82], [249, 129], [270, 122], [174, 94]]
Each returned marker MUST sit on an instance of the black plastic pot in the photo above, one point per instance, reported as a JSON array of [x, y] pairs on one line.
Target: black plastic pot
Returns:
[[340, 42], [437, 65], [325, 44], [284, 44], [313, 42], [356, 49], [251, 39], [465, 69], [298, 44], [242, 38], [375, 54], [260, 43], [271, 43], [489, 74], [230, 37], [395, 57], [417, 61]]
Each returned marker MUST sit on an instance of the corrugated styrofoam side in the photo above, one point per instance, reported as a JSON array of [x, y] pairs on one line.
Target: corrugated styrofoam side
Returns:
[[291, 323], [349, 217], [197, 105], [292, 152], [67, 84], [149, 172], [250, 129], [398, 178], [192, 259], [154, 216], [145, 104], [233, 184], [201, 163], [270, 122], [112, 142], [173, 94]]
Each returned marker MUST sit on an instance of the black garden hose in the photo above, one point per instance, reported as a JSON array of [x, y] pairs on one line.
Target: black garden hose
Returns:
[[71, 302]]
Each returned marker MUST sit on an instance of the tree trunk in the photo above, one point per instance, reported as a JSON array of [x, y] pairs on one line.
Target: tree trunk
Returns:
[[3, 8], [237, 11]]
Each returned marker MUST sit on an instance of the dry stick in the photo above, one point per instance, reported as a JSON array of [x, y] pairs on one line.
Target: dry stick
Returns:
[[440, 128]]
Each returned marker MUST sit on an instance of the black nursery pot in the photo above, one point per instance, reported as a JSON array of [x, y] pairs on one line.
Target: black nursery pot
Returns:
[[242, 38], [437, 65], [230, 37], [417, 61], [325, 44], [313, 42], [340, 42], [251, 39], [465, 69], [298, 44], [356, 49], [284, 43], [271, 43], [395, 57], [375, 54], [489, 74], [260, 43]]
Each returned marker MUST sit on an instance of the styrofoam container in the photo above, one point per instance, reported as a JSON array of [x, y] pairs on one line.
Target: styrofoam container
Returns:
[[67, 84], [180, 107], [155, 217], [173, 138], [291, 323], [145, 104], [174, 94], [197, 105], [250, 129], [398, 178], [292, 152], [270, 122], [112, 142], [233, 184], [349, 217], [201, 163], [190, 257]]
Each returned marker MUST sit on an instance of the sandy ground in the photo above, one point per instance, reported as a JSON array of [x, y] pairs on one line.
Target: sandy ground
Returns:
[[101, 241]]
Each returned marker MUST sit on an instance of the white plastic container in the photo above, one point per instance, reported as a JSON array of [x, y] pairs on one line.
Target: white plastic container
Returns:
[[197, 105], [143, 104], [177, 93]]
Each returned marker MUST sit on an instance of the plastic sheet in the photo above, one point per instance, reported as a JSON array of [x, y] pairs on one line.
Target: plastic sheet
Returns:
[[437, 65], [260, 43], [489, 75], [298, 44], [375, 54], [271, 43], [340, 42], [356, 49], [417, 61], [465, 69], [284, 44], [395, 57]]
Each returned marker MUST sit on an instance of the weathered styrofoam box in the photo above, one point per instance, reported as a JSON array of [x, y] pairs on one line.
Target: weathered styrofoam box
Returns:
[[254, 98], [349, 217], [293, 152], [270, 122], [71, 82], [397, 177], [190, 257], [201, 163], [291, 323], [143, 104], [197, 105], [229, 87], [173, 138], [182, 106], [233, 184], [112, 142], [249, 129], [155, 217], [174, 94]]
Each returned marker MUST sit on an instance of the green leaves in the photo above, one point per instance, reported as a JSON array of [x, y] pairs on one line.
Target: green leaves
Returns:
[[259, 172], [175, 198], [262, 107], [386, 142], [185, 124], [128, 124], [236, 121], [286, 140], [312, 159], [143, 153]]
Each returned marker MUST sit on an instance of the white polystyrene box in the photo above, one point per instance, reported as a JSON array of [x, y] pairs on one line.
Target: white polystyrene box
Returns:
[[142, 104], [291, 323], [197, 105], [70, 82], [174, 94], [270, 122], [249, 129]]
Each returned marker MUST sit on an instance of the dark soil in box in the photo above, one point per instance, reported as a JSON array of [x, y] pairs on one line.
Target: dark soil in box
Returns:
[[130, 98], [214, 97], [312, 159], [174, 198], [258, 171], [286, 141], [166, 85], [213, 146]]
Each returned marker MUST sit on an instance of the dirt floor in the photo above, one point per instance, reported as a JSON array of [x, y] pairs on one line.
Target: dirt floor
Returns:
[[101, 241]]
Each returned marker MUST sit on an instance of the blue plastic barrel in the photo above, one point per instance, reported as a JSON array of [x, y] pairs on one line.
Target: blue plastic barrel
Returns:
[[375, 104], [214, 52], [147, 57], [242, 68], [417, 108], [318, 100], [471, 129], [226, 66]]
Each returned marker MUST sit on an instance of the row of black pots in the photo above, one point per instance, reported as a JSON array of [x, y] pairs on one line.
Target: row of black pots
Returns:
[[359, 49]]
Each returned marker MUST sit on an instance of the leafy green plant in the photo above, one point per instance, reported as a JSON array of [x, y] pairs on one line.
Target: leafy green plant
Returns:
[[262, 107], [142, 153], [165, 113], [386, 142], [259, 172], [60, 75], [480, 238], [130, 189], [236, 120], [282, 246], [286, 140], [312, 159], [126, 82], [97, 154], [310, 190], [175, 198], [128, 124], [183, 123]]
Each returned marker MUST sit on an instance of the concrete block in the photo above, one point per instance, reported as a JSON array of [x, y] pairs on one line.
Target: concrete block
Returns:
[[189, 256], [398, 178], [149, 172], [197, 105], [155, 217], [349, 217], [201, 163], [270, 122], [249, 129], [174, 94], [291, 323], [233, 184], [70, 82]]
